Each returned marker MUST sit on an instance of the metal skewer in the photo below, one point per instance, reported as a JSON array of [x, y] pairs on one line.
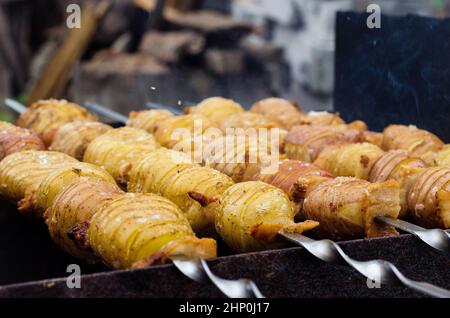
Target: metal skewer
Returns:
[[377, 270], [195, 269]]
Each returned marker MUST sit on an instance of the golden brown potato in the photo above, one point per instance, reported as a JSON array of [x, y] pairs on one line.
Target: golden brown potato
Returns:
[[74, 205], [346, 207], [322, 119], [352, 160], [118, 150], [74, 137], [193, 188], [21, 173], [279, 110], [252, 213], [46, 116], [398, 165], [40, 199], [429, 198], [305, 143], [248, 120], [149, 120], [174, 129], [373, 138], [442, 157], [291, 176], [137, 230], [14, 139], [216, 109], [420, 143]]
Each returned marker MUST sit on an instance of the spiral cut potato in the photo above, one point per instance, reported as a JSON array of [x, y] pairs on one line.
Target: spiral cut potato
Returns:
[[429, 198], [74, 206], [216, 109], [247, 120], [352, 160], [118, 150], [149, 120], [305, 143], [398, 165], [291, 175], [14, 139], [73, 138], [442, 157], [420, 143], [194, 189], [279, 110], [21, 173], [251, 214], [46, 116], [346, 207], [123, 229], [174, 129], [322, 118]]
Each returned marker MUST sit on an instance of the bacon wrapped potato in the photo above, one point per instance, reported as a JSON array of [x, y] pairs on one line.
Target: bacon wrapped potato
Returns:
[[14, 139], [193, 188], [149, 120], [346, 207], [216, 109], [45, 117], [118, 150], [74, 137], [251, 214], [351, 160]]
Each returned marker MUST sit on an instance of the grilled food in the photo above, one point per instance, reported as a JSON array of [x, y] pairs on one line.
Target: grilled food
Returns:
[[246, 120], [46, 116], [216, 109], [346, 207], [14, 139], [193, 188], [442, 157], [251, 214], [21, 173], [429, 198], [74, 137], [118, 150], [149, 120], [351, 160], [279, 110]]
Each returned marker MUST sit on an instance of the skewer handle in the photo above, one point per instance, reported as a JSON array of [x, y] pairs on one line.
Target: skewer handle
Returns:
[[102, 110], [15, 105]]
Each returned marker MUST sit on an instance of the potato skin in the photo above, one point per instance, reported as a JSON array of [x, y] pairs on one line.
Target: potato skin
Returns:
[[21, 173], [193, 188], [216, 109], [45, 116], [118, 150], [346, 207], [134, 227], [351, 160], [251, 214], [75, 204], [149, 120], [74, 137], [14, 139], [279, 110], [429, 198], [420, 143]]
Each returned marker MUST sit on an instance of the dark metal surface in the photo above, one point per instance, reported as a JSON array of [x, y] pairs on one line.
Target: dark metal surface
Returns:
[[28, 254]]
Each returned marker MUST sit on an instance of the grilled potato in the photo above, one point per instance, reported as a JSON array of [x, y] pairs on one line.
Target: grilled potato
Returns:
[[21, 173], [429, 198], [118, 150], [14, 139], [46, 116], [193, 188], [74, 137], [346, 207], [442, 158], [73, 206], [352, 160], [251, 214], [279, 110], [246, 120], [149, 120], [216, 109], [137, 230]]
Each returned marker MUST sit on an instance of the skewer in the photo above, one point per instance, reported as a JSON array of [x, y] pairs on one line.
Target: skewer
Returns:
[[195, 269], [377, 270]]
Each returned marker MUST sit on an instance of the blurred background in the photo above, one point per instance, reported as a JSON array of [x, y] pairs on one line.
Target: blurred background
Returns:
[[177, 52]]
